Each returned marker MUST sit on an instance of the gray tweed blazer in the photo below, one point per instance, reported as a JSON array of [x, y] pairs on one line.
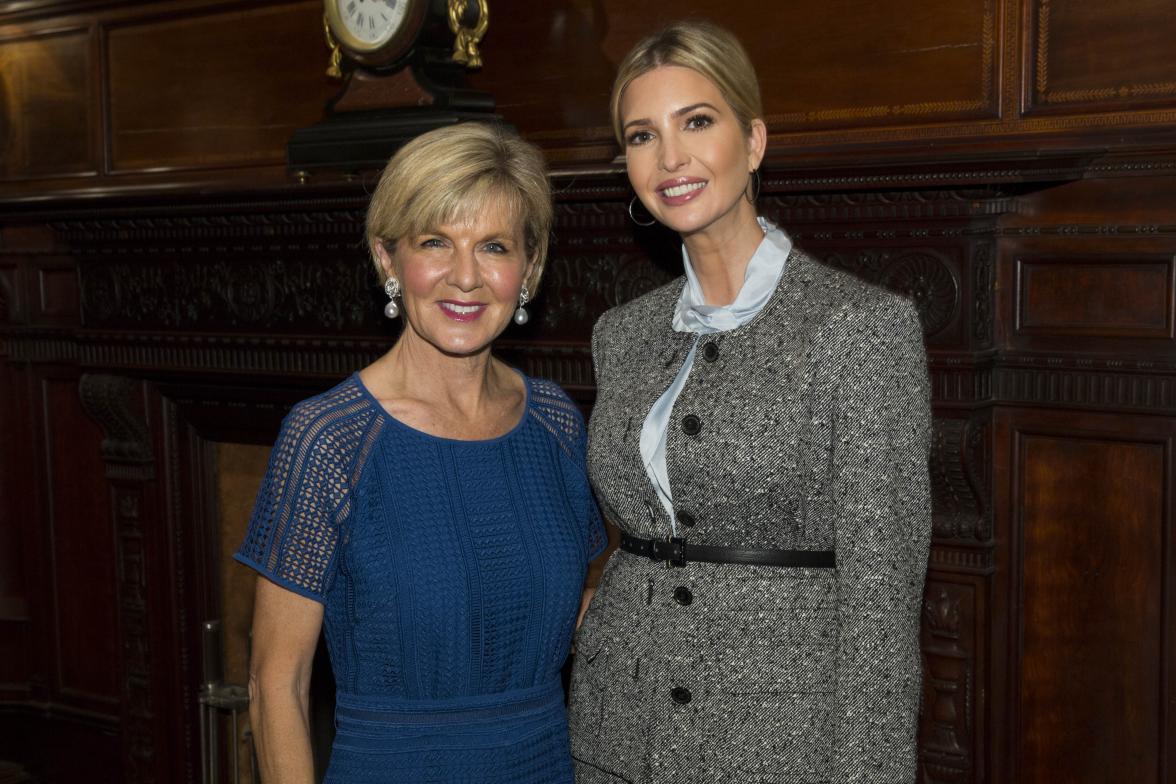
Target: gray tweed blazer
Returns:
[[814, 435]]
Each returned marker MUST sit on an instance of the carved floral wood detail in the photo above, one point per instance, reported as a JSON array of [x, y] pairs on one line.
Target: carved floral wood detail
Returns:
[[946, 749], [923, 275], [331, 293]]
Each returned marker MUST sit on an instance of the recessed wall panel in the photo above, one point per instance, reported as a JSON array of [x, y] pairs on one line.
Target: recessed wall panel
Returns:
[[1105, 296], [1092, 519], [59, 292], [1101, 56], [83, 548], [835, 64], [215, 89], [45, 105]]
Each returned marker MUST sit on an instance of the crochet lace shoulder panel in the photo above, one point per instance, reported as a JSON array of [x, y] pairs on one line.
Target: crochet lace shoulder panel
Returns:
[[556, 412], [303, 505]]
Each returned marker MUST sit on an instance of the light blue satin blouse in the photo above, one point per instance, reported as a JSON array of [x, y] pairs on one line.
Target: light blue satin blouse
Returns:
[[692, 314]]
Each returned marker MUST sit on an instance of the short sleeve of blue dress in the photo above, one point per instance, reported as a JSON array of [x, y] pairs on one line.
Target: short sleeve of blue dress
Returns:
[[450, 573]]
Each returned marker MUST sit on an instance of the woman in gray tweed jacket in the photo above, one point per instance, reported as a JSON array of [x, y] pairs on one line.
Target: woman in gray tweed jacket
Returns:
[[760, 437]]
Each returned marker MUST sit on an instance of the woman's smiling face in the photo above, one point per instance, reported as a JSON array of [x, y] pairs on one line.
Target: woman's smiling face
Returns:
[[688, 158], [460, 282]]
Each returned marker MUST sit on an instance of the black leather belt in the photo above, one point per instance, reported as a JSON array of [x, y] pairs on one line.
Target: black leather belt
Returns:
[[676, 552]]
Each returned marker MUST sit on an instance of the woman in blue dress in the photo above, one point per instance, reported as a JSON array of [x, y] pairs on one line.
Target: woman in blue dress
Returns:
[[430, 513]]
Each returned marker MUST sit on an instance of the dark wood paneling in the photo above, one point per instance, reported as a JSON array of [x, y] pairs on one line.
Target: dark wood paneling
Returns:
[[83, 571], [811, 76], [59, 746], [1101, 56], [10, 304], [46, 104], [214, 88], [58, 289], [1093, 520], [899, 152], [15, 628], [1106, 297], [1106, 290]]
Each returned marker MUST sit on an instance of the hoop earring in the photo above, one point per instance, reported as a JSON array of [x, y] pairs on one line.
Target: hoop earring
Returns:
[[521, 316], [633, 218], [392, 289], [755, 181]]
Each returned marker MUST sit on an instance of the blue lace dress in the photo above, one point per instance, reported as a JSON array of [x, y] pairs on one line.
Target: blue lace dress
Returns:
[[450, 574]]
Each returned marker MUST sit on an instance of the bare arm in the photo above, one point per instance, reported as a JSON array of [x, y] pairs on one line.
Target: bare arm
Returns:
[[285, 633]]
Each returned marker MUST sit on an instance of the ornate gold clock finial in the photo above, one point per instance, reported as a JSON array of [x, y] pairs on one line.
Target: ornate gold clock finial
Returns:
[[465, 47], [334, 67]]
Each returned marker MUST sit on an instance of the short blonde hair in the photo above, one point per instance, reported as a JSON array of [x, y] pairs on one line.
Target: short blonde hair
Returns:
[[451, 173], [702, 47]]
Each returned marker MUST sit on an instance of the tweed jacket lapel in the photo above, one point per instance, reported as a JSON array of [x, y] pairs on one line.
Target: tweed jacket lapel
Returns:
[[631, 377], [637, 378], [764, 407]]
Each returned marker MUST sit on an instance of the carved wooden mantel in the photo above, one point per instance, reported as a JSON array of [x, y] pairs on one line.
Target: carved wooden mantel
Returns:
[[190, 321]]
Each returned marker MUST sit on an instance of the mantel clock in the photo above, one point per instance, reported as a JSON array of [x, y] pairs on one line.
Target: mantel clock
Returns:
[[403, 66]]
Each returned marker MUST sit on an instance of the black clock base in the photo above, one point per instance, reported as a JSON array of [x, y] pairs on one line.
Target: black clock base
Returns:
[[356, 141]]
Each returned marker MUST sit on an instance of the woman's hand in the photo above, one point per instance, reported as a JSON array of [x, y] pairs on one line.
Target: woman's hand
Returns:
[[285, 634]]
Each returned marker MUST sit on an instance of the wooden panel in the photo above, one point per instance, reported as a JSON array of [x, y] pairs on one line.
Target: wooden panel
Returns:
[[45, 105], [59, 292], [1101, 56], [14, 610], [217, 89], [840, 63], [82, 548], [1105, 290], [1093, 526], [9, 291], [1106, 297], [57, 747], [204, 93]]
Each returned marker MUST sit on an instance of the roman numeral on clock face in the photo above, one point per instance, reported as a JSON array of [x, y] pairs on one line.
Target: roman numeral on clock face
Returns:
[[372, 21]]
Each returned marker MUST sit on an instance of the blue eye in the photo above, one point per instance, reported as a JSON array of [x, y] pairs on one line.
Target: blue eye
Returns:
[[432, 242], [495, 247]]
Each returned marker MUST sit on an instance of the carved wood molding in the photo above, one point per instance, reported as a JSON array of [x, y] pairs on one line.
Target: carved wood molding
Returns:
[[961, 478], [948, 721], [956, 379], [112, 402], [890, 205], [109, 400]]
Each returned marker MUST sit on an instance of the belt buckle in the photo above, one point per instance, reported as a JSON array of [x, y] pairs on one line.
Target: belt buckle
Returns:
[[675, 552]]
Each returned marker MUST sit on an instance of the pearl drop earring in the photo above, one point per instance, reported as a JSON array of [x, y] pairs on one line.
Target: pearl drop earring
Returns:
[[392, 289], [521, 316]]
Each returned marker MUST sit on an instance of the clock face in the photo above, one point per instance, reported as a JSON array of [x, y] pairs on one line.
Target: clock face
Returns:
[[372, 22], [375, 33]]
